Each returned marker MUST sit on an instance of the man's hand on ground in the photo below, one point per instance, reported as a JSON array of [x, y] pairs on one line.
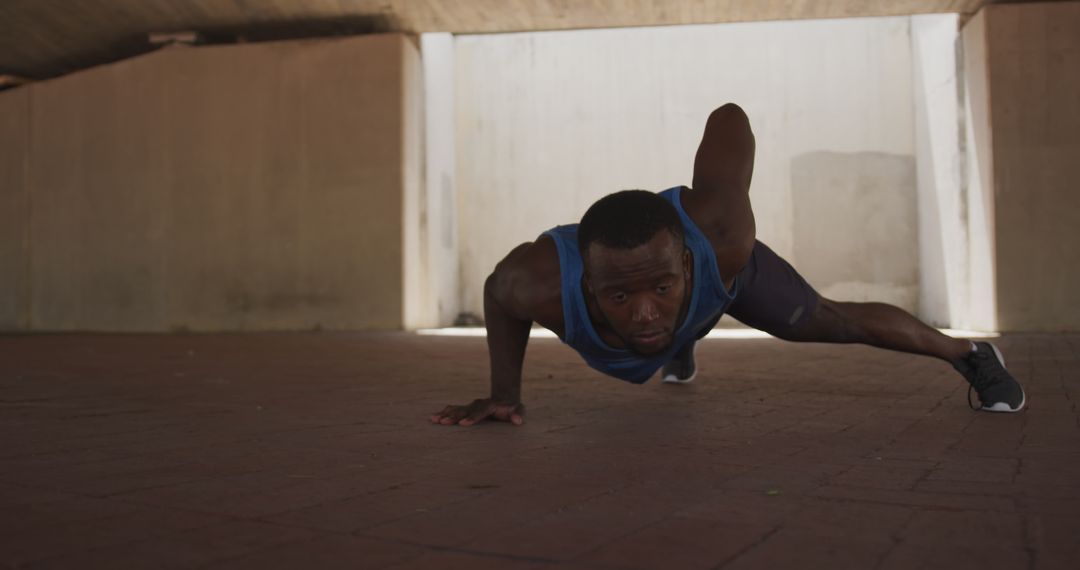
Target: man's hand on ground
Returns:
[[479, 410]]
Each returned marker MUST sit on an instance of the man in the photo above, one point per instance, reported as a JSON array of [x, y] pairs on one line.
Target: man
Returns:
[[644, 275]]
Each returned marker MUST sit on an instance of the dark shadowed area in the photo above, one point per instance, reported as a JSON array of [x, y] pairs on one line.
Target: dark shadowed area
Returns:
[[313, 450]]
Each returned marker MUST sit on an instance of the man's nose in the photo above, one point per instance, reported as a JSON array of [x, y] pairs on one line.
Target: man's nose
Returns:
[[645, 312]]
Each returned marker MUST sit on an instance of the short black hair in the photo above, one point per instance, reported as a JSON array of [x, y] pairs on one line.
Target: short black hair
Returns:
[[627, 219]]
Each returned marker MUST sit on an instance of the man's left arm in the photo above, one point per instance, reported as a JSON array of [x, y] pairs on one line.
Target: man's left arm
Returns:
[[720, 199]]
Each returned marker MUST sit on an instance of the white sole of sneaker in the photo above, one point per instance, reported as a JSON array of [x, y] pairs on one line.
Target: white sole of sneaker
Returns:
[[1002, 407], [671, 379]]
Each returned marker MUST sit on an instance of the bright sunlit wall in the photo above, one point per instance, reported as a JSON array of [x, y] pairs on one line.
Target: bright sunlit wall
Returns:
[[549, 122]]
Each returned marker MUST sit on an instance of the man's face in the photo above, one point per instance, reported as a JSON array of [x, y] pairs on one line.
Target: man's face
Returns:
[[640, 291]]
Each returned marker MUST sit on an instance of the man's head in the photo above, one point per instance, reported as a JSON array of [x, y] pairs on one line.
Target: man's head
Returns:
[[636, 266]]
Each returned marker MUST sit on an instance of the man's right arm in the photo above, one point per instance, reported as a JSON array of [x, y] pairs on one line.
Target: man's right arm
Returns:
[[507, 337], [524, 287]]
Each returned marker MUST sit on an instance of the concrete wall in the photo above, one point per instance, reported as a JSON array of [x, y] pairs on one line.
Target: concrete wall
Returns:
[[14, 208], [943, 275], [1032, 54], [247, 187], [312, 184], [979, 173], [952, 137], [414, 229], [549, 122], [855, 225], [440, 213]]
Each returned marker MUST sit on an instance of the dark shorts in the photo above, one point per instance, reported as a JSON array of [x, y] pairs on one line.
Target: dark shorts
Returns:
[[771, 295]]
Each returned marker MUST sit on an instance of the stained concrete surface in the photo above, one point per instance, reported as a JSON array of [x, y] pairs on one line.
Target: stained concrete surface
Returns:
[[1033, 77], [240, 187], [314, 450], [855, 225]]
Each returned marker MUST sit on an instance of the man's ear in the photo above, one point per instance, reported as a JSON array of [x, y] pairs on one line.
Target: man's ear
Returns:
[[687, 263]]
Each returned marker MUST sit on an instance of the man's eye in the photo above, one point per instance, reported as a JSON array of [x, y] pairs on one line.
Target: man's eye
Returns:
[[618, 297], [663, 289]]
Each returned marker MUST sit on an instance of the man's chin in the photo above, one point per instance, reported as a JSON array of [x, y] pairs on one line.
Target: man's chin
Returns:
[[651, 349]]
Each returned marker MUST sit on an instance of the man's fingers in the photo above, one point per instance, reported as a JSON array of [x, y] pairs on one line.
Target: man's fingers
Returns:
[[481, 411], [437, 417], [451, 418], [517, 415], [513, 413], [478, 411], [452, 415], [475, 411]]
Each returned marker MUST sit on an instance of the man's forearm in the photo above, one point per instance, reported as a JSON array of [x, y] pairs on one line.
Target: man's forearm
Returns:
[[507, 337]]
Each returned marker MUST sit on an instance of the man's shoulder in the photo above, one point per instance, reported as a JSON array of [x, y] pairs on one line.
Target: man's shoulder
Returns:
[[528, 281], [731, 246]]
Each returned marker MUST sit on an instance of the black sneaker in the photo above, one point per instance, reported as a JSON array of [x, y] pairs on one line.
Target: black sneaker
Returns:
[[681, 369], [998, 391]]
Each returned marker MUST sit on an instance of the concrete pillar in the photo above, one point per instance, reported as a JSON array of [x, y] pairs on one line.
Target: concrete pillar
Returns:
[[944, 284], [14, 209], [979, 176], [440, 209], [416, 294], [1022, 66]]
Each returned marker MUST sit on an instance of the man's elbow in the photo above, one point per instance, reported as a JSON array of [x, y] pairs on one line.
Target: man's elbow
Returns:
[[731, 118], [491, 285], [499, 287], [728, 112]]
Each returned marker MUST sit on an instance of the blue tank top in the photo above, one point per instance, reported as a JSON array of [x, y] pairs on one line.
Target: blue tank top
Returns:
[[708, 300]]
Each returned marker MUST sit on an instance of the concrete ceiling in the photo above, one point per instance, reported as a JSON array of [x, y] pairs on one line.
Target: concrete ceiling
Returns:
[[47, 38]]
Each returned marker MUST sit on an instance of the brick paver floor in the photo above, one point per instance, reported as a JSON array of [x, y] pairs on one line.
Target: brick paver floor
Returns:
[[315, 451]]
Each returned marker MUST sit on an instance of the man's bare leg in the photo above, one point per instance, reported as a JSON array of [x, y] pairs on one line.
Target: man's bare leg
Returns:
[[886, 326]]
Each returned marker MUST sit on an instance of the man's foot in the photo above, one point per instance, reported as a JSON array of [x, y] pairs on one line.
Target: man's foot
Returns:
[[681, 369], [984, 369]]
